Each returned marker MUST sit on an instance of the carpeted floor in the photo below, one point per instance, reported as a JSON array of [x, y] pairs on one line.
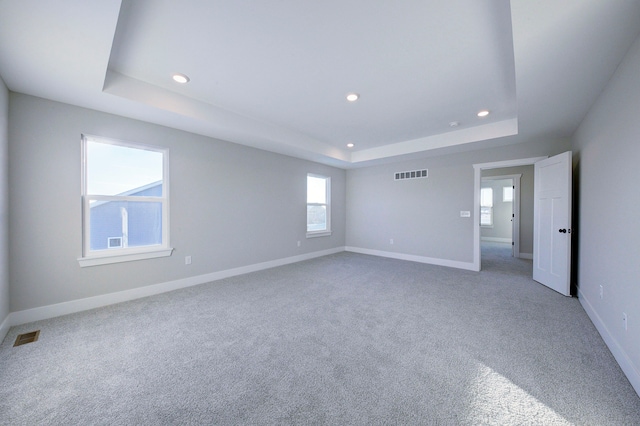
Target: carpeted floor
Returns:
[[342, 339], [497, 257]]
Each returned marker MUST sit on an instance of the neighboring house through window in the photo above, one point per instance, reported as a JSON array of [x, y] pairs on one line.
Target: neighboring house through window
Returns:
[[125, 202], [318, 205]]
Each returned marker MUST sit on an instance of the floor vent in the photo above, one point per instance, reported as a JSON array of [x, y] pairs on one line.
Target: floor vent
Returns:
[[412, 174], [27, 338]]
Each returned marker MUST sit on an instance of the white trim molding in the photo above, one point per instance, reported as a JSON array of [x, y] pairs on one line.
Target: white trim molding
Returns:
[[79, 305], [123, 257], [626, 363], [413, 258]]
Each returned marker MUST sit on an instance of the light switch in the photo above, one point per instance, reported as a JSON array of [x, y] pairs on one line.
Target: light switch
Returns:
[[465, 213]]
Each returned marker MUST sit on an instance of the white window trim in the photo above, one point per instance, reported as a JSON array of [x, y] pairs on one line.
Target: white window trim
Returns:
[[149, 252], [109, 256], [327, 232], [313, 234]]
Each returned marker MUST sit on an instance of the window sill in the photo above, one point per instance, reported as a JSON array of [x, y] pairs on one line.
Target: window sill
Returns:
[[318, 234], [123, 257]]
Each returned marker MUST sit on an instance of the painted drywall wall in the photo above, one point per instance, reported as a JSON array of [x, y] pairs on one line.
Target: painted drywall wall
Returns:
[[526, 202], [606, 152], [4, 209], [422, 216], [230, 205], [501, 228]]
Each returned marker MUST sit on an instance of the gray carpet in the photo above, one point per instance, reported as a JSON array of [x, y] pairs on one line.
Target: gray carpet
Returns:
[[342, 339]]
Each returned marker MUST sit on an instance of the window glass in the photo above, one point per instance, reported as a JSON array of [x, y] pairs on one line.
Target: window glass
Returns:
[[125, 200], [135, 224], [318, 206], [486, 197], [316, 190], [116, 170], [486, 206], [507, 194]]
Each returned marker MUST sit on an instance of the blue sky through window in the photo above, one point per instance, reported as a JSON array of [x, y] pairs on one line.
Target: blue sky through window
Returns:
[[116, 169]]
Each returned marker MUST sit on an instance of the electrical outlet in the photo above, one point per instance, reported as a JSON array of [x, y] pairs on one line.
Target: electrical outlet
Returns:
[[391, 241], [601, 292], [624, 321], [187, 260]]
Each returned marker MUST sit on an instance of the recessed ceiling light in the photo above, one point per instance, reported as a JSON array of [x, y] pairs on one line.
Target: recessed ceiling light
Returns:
[[352, 97], [483, 113], [180, 78], [350, 145]]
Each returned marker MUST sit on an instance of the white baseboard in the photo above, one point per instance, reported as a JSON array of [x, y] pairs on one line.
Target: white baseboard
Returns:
[[626, 364], [4, 328], [495, 239], [526, 256], [413, 258], [73, 306]]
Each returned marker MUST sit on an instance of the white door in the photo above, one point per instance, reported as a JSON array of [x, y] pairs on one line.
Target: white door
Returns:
[[552, 223]]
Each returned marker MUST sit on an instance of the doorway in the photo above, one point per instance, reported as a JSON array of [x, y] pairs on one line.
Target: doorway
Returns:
[[501, 252], [552, 218], [499, 211]]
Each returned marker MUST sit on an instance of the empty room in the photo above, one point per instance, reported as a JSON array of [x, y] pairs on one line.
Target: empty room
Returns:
[[353, 212]]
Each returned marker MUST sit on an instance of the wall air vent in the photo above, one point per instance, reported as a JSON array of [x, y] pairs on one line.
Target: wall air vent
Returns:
[[412, 174], [114, 242]]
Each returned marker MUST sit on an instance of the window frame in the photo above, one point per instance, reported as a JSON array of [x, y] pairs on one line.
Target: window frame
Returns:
[[489, 207], [327, 204], [124, 254]]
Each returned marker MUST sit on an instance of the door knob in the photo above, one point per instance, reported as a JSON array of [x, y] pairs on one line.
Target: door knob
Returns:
[[564, 231]]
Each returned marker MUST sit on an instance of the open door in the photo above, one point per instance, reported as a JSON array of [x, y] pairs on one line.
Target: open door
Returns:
[[552, 223]]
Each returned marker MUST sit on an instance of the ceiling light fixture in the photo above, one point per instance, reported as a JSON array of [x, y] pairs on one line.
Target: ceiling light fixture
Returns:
[[454, 124], [350, 145], [180, 78], [352, 97], [483, 113]]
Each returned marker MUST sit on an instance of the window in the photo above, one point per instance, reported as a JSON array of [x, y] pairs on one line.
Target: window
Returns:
[[125, 202], [318, 205], [507, 194], [486, 207]]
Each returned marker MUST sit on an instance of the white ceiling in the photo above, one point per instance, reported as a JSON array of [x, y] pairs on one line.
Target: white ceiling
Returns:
[[274, 75]]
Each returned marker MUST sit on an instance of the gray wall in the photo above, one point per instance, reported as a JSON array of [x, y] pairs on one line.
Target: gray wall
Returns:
[[526, 202], [4, 208], [606, 154], [231, 206], [423, 215], [502, 211]]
